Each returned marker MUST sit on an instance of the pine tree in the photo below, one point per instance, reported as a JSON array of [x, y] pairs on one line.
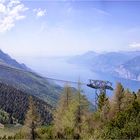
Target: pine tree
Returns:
[[119, 95], [70, 117], [128, 98], [62, 107], [31, 121], [101, 100]]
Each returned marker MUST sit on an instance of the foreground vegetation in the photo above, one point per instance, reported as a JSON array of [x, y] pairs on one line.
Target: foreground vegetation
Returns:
[[116, 118], [10, 130]]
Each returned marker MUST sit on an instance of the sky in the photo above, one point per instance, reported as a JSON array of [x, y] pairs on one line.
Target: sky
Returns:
[[41, 28]]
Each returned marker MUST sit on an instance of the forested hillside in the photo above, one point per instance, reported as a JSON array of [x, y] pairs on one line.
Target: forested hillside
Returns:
[[19, 76], [15, 103], [115, 118]]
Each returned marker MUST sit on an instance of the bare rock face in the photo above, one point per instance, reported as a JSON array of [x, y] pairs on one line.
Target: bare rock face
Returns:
[[126, 73]]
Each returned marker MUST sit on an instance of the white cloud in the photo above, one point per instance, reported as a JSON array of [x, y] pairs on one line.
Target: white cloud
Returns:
[[2, 8], [10, 12], [2, 1], [134, 45], [102, 12], [40, 12]]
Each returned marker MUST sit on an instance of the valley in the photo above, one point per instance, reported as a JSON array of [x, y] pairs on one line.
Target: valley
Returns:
[[19, 84], [87, 66], [69, 70]]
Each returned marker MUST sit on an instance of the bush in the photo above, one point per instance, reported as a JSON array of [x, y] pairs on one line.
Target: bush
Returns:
[[45, 132]]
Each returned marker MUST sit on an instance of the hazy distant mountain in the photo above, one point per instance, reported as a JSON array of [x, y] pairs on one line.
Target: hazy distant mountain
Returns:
[[101, 62], [16, 75], [130, 69], [108, 61], [112, 62], [131, 54], [84, 59], [5, 59]]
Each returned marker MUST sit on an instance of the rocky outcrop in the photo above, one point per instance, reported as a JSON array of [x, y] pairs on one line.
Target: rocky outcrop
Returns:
[[126, 73]]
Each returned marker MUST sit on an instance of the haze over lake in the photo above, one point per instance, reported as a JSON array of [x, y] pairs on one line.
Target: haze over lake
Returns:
[[59, 68]]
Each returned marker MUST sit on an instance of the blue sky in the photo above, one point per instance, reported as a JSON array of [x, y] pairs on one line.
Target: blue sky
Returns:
[[52, 28]]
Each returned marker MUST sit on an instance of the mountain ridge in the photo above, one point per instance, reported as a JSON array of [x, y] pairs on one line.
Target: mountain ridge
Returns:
[[108, 62], [130, 69], [6, 59], [14, 74]]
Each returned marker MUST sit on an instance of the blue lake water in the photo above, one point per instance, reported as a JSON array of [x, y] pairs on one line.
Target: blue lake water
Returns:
[[58, 68]]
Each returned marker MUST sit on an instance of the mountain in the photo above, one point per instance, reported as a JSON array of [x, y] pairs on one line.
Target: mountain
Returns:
[[130, 69], [5, 59], [131, 54], [84, 59], [108, 61], [15, 102], [20, 77], [104, 62], [123, 66]]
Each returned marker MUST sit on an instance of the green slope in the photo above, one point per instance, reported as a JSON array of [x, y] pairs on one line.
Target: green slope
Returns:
[[30, 82], [15, 102]]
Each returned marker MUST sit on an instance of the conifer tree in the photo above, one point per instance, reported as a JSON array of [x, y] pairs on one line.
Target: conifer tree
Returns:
[[31, 121], [70, 116], [102, 100], [118, 96], [81, 113], [62, 107]]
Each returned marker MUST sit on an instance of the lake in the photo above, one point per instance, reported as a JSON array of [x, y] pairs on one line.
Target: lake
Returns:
[[59, 68]]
